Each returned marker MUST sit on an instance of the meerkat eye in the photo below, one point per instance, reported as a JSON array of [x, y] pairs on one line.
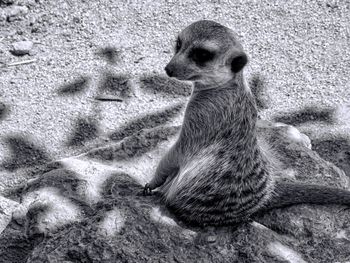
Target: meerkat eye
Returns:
[[178, 45], [201, 55]]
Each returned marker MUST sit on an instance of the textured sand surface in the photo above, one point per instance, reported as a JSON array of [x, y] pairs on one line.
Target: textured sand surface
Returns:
[[301, 48], [95, 76]]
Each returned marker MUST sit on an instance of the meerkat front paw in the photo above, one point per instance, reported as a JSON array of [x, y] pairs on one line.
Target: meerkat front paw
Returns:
[[147, 190]]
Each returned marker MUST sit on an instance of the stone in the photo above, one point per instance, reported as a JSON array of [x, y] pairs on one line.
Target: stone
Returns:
[[3, 15], [7, 207], [15, 12], [22, 48]]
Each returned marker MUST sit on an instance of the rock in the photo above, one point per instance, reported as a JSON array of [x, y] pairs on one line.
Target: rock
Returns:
[[7, 207], [3, 15], [22, 48], [15, 12]]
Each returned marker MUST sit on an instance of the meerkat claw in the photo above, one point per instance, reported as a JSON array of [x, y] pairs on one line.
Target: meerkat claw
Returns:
[[147, 190]]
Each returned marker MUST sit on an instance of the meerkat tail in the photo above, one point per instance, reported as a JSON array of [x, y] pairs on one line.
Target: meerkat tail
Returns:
[[286, 194]]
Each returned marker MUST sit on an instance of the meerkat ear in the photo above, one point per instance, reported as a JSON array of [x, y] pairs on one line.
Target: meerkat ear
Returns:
[[238, 62]]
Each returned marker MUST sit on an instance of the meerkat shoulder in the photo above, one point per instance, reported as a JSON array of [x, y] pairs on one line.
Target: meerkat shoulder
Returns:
[[216, 173]]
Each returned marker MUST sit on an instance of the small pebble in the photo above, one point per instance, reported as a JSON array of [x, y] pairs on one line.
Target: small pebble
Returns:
[[22, 48], [211, 239], [3, 15], [26, 2], [76, 19], [32, 21], [14, 12]]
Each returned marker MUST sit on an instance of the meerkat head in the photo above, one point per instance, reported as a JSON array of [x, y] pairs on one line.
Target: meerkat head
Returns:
[[207, 53]]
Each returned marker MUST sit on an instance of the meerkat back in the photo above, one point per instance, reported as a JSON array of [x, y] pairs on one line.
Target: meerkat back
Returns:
[[217, 173]]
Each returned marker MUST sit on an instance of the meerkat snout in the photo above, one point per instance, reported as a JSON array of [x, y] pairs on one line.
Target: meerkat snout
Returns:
[[168, 71], [206, 53]]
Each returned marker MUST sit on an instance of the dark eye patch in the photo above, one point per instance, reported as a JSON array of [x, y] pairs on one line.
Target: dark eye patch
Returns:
[[178, 45], [201, 55]]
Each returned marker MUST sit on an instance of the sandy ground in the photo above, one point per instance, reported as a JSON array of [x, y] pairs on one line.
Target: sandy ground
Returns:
[[301, 48], [84, 49]]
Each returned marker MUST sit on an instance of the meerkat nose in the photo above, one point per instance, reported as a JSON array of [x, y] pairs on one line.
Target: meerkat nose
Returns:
[[168, 71]]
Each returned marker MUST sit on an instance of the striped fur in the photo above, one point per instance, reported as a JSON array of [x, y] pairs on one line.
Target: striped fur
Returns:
[[216, 173], [222, 177]]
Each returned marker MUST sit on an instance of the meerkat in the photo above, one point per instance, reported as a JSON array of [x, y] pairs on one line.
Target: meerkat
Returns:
[[216, 173]]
